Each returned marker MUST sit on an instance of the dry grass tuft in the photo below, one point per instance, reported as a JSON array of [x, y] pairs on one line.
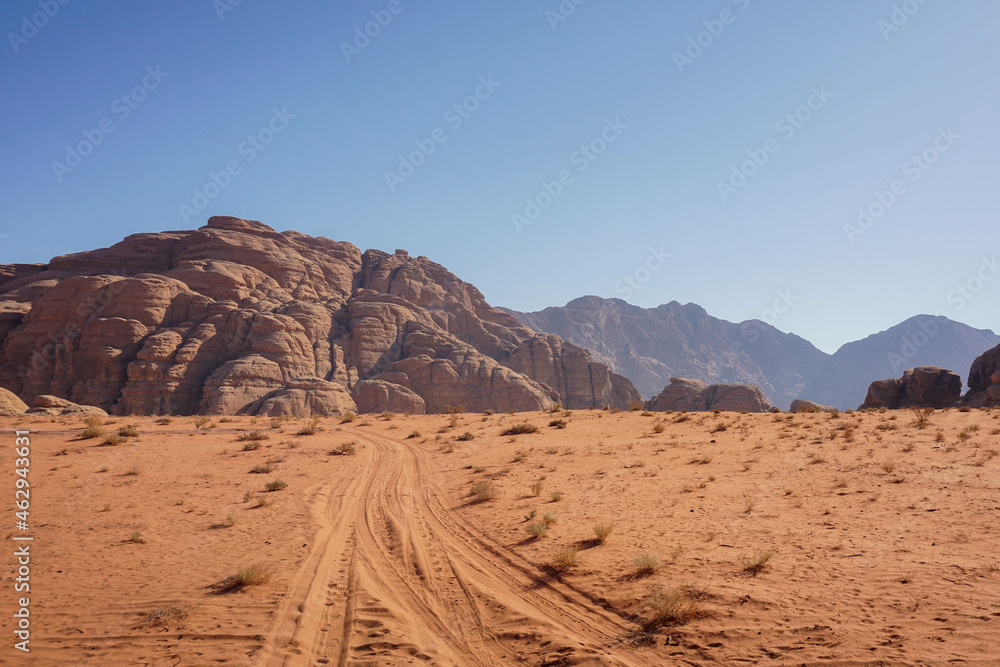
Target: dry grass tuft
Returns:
[[483, 491], [603, 530], [565, 558], [756, 562], [522, 428], [647, 562], [670, 607]]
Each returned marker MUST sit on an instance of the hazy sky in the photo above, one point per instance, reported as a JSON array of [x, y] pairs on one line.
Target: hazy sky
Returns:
[[622, 122]]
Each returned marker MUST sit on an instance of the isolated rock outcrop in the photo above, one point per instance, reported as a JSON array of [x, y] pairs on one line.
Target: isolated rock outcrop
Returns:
[[696, 396], [984, 379], [921, 387], [802, 405], [53, 406], [236, 318], [11, 405]]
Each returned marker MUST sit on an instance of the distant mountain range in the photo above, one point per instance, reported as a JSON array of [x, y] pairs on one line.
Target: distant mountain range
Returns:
[[651, 345]]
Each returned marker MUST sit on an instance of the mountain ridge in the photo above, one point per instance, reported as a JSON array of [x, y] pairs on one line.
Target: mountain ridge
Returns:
[[651, 345]]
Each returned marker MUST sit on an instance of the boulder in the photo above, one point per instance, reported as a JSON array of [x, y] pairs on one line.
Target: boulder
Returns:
[[984, 379], [802, 405], [696, 396], [47, 401], [382, 396], [237, 318], [10, 404], [54, 406], [924, 387]]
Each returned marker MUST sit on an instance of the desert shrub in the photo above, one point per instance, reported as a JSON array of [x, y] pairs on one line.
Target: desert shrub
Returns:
[[262, 469], [347, 417], [888, 465], [483, 491], [520, 429], [658, 428], [128, 431], [756, 562], [465, 437], [252, 436], [536, 488], [670, 607], [164, 616], [454, 409], [538, 530], [548, 518], [558, 423], [137, 538], [647, 562], [92, 431], [114, 439], [254, 574], [275, 485], [200, 421], [603, 530], [232, 519], [345, 449], [414, 434], [556, 496], [311, 428], [263, 501], [565, 557]]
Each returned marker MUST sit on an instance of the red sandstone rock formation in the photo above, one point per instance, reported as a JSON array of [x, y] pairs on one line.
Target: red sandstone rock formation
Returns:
[[237, 318]]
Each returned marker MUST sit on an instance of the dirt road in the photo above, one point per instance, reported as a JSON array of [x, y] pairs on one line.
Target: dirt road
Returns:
[[395, 577]]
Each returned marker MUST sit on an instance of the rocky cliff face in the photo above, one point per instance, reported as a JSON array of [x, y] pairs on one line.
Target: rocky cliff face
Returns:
[[650, 346], [237, 318]]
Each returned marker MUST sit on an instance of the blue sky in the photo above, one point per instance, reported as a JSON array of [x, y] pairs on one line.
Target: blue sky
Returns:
[[324, 124]]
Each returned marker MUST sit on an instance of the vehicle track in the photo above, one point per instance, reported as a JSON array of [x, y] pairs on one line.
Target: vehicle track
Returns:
[[396, 577]]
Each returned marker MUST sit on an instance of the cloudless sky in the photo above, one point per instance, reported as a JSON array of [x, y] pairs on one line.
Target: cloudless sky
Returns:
[[656, 186]]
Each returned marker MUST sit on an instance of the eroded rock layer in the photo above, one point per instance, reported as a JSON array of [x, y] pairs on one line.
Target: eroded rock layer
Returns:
[[237, 318]]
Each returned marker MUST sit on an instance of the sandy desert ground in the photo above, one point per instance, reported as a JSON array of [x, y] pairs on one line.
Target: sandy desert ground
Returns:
[[737, 539]]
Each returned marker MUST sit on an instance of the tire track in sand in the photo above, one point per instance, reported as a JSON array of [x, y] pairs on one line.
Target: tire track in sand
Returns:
[[395, 577]]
